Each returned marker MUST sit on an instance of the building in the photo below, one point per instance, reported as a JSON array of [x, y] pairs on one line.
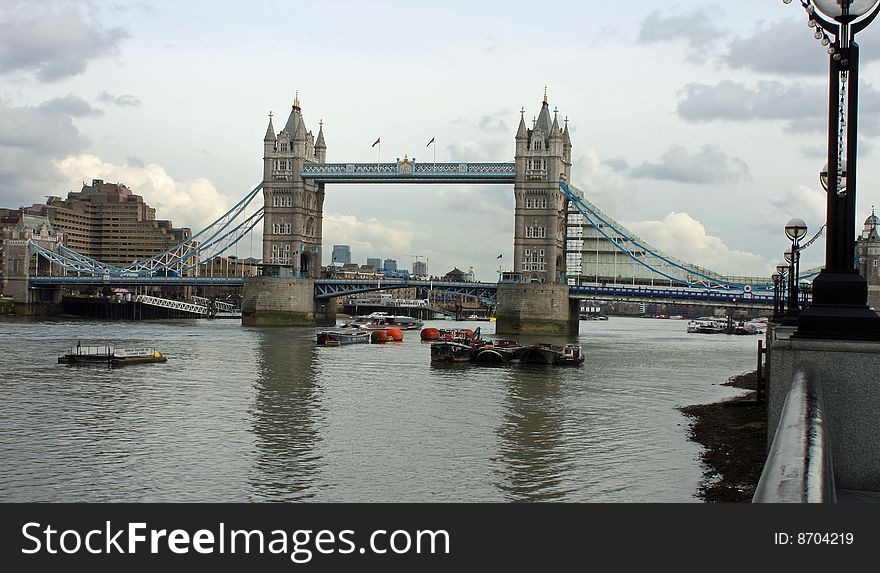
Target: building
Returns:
[[389, 265], [293, 206], [109, 223], [420, 269], [375, 263], [341, 255], [17, 261], [867, 257], [455, 275]]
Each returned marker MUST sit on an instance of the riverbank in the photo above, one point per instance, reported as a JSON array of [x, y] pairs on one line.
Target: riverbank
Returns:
[[733, 434]]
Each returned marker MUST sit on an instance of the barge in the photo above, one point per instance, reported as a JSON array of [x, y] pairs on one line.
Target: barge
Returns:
[[111, 355]]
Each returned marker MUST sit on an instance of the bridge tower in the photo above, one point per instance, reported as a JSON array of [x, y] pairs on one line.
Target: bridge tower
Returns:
[[293, 209], [535, 298], [292, 229]]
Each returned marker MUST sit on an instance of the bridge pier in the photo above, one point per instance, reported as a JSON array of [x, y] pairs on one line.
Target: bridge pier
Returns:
[[536, 308], [283, 301]]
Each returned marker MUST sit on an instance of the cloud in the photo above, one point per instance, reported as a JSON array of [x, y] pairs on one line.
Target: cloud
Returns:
[[802, 107], [492, 124], [804, 202], [125, 100], [683, 237], [193, 203], [70, 105], [788, 47], [370, 237], [51, 40], [709, 165], [697, 28], [30, 138]]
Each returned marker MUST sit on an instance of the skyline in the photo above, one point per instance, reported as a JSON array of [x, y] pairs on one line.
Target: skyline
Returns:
[[699, 127]]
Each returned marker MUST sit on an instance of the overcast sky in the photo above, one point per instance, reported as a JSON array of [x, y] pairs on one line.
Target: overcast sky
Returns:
[[699, 125]]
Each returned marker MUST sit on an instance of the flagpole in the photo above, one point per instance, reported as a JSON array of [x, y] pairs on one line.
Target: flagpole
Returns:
[[378, 155]]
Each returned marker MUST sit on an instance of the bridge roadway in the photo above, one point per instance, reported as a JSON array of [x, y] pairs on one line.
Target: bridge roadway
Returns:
[[332, 288]]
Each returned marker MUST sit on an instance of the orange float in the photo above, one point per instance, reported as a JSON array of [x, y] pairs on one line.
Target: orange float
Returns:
[[394, 334], [429, 334], [378, 336], [467, 332]]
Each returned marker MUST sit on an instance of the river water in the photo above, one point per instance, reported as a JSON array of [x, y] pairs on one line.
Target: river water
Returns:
[[262, 414]]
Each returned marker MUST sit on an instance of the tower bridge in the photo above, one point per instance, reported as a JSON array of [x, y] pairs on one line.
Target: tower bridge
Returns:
[[563, 243]]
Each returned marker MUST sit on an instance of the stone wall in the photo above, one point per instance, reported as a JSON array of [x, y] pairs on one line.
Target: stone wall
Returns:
[[535, 308], [850, 378], [279, 301]]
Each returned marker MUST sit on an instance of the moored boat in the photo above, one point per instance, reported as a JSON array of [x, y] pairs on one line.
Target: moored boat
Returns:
[[450, 351], [382, 320], [111, 355], [535, 354], [335, 338]]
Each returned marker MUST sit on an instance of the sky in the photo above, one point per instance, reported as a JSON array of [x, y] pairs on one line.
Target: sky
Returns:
[[699, 125]]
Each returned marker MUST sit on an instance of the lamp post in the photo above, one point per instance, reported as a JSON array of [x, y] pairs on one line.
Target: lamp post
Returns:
[[795, 230], [839, 309], [781, 270], [776, 278]]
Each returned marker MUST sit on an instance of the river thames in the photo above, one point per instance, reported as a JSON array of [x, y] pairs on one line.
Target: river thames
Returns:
[[262, 414]]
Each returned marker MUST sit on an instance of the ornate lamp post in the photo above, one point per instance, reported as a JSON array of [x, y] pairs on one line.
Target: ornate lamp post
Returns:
[[795, 230], [776, 278], [781, 270], [839, 309]]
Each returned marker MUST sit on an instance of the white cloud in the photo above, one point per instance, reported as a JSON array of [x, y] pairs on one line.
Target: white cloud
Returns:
[[368, 238], [709, 165], [193, 203], [683, 237]]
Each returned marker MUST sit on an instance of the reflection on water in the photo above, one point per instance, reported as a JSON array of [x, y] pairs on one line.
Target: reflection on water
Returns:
[[531, 435], [262, 414], [286, 405]]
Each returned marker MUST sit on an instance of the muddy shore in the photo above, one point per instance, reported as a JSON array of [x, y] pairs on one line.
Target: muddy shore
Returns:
[[733, 434]]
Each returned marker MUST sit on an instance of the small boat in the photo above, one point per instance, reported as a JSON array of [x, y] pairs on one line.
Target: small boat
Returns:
[[535, 354], [383, 320], [111, 355], [568, 355], [336, 338], [571, 355], [450, 351]]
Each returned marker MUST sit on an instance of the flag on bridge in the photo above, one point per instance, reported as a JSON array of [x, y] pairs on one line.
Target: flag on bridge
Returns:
[[377, 142], [430, 142], [498, 257]]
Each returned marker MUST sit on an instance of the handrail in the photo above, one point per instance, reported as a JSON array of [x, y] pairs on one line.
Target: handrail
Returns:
[[798, 467]]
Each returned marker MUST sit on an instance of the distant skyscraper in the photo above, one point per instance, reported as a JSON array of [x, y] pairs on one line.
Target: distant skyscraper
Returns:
[[420, 268], [390, 265], [341, 254], [375, 263]]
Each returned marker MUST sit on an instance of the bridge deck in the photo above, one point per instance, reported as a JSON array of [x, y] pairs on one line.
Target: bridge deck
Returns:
[[410, 172]]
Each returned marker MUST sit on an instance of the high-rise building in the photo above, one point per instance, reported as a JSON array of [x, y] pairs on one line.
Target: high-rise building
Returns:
[[107, 222], [420, 268], [341, 255], [389, 265], [375, 263]]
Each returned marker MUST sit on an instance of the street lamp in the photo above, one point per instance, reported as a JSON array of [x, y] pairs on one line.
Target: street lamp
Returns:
[[795, 230], [781, 271], [839, 308]]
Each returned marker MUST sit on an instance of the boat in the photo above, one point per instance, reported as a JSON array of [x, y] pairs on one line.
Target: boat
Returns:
[[111, 355], [383, 320], [536, 354], [707, 325], [568, 355], [450, 351], [491, 353], [335, 338], [571, 355]]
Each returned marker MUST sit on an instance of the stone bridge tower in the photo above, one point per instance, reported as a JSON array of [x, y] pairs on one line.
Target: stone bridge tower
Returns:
[[292, 219], [543, 159], [284, 293], [537, 299]]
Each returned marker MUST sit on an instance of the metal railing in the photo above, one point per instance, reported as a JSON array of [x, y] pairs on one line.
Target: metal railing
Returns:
[[798, 467]]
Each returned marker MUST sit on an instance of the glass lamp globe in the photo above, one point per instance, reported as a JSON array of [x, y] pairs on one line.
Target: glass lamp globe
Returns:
[[775, 277], [823, 176], [781, 269], [787, 256], [836, 8], [795, 229]]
